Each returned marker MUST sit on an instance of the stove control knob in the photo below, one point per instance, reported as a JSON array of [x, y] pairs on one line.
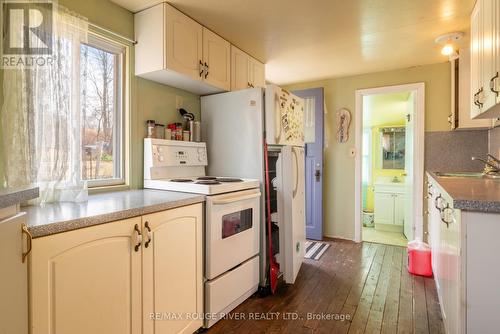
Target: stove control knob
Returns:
[[161, 158], [160, 149]]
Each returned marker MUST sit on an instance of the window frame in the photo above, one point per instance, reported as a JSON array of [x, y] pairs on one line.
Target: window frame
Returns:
[[367, 154], [99, 41]]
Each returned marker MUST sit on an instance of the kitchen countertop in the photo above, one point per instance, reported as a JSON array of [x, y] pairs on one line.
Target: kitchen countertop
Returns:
[[471, 194], [60, 217], [12, 196]]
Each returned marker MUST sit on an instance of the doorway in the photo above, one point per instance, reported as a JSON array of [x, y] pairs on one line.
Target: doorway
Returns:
[[389, 166], [314, 144]]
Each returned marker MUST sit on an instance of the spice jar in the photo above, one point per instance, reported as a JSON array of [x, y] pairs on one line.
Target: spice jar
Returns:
[[178, 131], [160, 131]]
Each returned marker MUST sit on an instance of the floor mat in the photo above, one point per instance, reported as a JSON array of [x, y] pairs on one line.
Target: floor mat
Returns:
[[315, 249]]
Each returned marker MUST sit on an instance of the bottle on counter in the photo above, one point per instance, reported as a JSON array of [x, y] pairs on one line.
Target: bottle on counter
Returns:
[[196, 134], [151, 128], [191, 130]]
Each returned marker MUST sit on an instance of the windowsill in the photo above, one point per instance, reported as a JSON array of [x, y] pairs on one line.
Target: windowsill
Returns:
[[106, 189]]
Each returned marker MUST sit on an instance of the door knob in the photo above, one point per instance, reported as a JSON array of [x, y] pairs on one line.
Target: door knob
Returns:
[[317, 174]]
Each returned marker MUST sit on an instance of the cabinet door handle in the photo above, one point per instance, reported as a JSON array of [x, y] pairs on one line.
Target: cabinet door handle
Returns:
[[436, 202], [475, 100], [443, 216], [29, 240], [148, 229], [206, 70], [479, 103], [138, 238], [201, 68], [492, 84]]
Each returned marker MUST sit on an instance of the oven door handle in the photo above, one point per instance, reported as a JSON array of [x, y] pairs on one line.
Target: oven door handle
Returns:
[[234, 199]]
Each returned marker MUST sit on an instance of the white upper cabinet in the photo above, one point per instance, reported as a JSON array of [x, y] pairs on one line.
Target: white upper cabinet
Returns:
[[240, 65], [257, 73], [485, 59], [460, 118], [184, 44], [175, 50], [475, 57], [246, 71], [216, 60]]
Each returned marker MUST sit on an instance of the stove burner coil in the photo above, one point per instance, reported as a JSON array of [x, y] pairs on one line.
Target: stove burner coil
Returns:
[[228, 179], [181, 180], [208, 182], [207, 178]]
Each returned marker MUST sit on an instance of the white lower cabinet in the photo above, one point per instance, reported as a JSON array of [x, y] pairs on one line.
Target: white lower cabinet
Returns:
[[464, 264], [173, 270], [389, 207], [119, 278], [14, 274]]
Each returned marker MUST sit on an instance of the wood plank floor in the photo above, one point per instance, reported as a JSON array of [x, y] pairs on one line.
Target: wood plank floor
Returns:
[[363, 288]]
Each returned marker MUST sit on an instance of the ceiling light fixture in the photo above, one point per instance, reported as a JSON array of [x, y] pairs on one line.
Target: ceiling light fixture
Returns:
[[449, 44]]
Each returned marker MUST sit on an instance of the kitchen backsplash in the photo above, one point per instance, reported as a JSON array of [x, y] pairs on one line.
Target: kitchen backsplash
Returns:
[[494, 142], [451, 151]]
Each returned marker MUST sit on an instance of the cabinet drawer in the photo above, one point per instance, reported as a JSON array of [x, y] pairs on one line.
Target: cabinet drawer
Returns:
[[231, 287]]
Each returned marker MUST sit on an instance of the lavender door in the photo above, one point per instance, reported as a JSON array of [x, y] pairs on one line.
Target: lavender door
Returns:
[[313, 124]]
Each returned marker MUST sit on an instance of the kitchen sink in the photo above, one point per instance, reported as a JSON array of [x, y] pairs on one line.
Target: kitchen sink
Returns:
[[472, 175]]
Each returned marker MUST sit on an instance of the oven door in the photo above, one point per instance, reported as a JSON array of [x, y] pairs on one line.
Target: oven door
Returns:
[[232, 230]]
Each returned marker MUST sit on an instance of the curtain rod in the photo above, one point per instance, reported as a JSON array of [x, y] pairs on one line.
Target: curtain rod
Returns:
[[112, 33]]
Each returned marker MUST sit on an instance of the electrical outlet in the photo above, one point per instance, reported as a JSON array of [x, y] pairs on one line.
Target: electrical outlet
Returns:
[[178, 102]]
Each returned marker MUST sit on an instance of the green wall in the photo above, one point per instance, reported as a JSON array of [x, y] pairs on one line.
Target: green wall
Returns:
[[148, 100], [338, 186]]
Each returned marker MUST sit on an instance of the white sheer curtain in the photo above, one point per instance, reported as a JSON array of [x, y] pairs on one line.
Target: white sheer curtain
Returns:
[[41, 117]]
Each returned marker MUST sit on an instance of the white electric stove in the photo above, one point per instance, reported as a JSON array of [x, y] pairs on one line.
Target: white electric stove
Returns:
[[180, 166], [205, 185], [232, 220]]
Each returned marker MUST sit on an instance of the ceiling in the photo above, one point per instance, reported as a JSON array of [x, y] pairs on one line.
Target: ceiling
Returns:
[[307, 40], [385, 109]]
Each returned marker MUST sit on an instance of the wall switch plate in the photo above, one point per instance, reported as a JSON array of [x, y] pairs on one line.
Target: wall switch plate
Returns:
[[179, 101]]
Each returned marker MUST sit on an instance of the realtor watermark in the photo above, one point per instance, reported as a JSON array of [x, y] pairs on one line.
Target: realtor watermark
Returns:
[[27, 30], [254, 316]]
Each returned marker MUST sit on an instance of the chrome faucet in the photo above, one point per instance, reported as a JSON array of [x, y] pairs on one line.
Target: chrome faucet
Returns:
[[491, 165], [492, 157]]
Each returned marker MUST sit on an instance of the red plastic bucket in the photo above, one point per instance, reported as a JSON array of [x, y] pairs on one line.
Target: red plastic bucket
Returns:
[[419, 258]]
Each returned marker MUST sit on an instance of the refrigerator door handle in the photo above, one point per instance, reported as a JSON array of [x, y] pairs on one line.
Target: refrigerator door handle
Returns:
[[296, 187]]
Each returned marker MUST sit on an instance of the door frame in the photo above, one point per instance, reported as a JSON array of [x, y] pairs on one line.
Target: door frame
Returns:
[[418, 154]]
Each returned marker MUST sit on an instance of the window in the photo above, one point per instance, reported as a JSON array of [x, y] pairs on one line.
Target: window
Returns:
[[367, 163], [101, 98]]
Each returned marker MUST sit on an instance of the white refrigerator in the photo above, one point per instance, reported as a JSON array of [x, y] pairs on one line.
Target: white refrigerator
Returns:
[[234, 125]]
